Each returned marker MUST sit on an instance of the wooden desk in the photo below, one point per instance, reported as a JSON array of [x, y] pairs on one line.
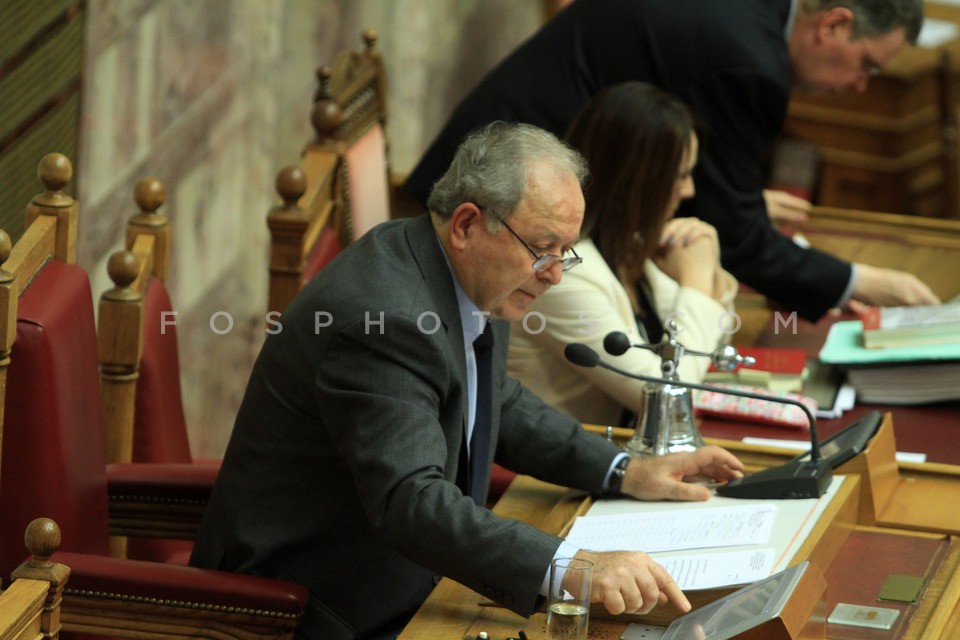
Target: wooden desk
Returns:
[[454, 612], [927, 248], [931, 429]]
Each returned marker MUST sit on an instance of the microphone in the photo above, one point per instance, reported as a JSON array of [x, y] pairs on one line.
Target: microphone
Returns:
[[616, 343], [799, 478], [582, 355]]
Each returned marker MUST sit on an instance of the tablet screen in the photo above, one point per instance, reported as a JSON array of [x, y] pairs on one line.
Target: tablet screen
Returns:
[[741, 610]]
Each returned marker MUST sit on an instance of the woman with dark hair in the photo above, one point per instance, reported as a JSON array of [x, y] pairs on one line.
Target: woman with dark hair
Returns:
[[641, 266]]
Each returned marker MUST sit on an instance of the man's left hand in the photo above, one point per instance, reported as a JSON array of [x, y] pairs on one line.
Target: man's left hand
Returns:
[[672, 476]]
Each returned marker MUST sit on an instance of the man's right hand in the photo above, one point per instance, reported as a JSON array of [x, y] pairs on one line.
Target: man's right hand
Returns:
[[786, 207], [631, 582], [879, 287]]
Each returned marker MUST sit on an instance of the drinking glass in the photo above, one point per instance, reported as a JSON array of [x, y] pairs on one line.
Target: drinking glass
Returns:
[[568, 606]]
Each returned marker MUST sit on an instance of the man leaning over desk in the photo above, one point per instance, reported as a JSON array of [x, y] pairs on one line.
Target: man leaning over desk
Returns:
[[734, 63], [349, 467]]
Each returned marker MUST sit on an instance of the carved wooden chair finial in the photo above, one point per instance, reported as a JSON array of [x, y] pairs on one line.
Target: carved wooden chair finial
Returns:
[[369, 38], [55, 172], [42, 538], [291, 184], [123, 268], [6, 246], [149, 194]]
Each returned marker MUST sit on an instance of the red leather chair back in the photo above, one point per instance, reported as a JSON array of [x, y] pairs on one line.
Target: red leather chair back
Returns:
[[54, 463], [324, 250], [160, 428], [368, 189]]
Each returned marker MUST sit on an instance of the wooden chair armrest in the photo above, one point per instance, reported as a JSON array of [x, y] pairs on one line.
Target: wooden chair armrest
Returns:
[[158, 500]]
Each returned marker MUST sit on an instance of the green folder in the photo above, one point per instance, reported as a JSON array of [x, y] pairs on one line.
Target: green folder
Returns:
[[844, 346]]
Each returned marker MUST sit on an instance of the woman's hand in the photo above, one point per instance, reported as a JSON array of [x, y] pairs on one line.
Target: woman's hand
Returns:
[[689, 252]]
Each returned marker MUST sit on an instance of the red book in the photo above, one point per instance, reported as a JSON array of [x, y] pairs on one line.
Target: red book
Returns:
[[776, 369], [774, 360], [790, 361], [870, 318]]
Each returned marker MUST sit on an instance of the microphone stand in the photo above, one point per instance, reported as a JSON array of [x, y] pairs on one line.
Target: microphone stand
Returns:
[[799, 478], [666, 423]]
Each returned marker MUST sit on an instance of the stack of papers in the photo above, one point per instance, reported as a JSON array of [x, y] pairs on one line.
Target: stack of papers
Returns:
[[907, 385], [894, 375]]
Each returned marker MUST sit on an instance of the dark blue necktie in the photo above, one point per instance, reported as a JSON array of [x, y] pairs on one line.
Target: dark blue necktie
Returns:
[[480, 439]]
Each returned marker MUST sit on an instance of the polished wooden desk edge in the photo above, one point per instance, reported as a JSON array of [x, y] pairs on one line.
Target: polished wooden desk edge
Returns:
[[936, 617]]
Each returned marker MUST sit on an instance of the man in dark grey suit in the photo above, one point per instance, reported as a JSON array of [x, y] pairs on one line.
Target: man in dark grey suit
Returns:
[[349, 468], [734, 63]]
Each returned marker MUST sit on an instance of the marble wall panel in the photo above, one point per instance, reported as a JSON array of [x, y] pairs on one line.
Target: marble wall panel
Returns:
[[213, 97]]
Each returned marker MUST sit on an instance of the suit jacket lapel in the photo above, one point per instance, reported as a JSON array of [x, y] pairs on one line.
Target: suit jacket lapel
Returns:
[[438, 280]]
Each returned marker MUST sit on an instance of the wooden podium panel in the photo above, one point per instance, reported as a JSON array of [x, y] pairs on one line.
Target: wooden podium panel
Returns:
[[891, 499], [820, 548], [907, 504], [454, 612]]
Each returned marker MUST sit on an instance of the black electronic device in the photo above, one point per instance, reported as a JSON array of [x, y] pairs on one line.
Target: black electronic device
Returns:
[[807, 478], [779, 482], [849, 441], [795, 479]]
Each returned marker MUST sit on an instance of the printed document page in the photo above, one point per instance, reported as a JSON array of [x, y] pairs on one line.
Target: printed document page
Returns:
[[676, 530], [755, 538], [721, 569]]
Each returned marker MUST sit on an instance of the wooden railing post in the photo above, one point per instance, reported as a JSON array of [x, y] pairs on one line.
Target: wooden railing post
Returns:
[[120, 346], [150, 194], [42, 538]]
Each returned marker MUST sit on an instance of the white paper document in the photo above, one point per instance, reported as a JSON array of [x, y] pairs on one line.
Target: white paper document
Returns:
[[935, 33], [721, 569], [673, 530], [799, 445]]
